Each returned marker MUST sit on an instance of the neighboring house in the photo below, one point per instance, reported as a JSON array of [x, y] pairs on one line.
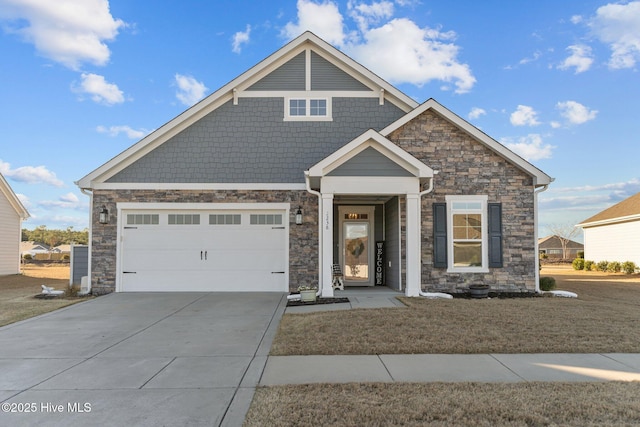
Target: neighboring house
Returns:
[[62, 249], [33, 248], [211, 200], [614, 233], [551, 246], [12, 213]]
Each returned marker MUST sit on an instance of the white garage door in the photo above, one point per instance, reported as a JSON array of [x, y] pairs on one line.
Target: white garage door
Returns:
[[211, 251]]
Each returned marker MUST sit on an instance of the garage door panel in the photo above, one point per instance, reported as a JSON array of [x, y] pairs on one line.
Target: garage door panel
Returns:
[[204, 257]]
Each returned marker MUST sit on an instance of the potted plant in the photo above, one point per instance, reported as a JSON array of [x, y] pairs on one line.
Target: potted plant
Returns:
[[479, 290], [307, 293]]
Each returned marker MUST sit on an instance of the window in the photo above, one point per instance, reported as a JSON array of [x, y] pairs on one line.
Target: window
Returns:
[[467, 228], [224, 219], [297, 107], [184, 219], [265, 219], [318, 109], [143, 219]]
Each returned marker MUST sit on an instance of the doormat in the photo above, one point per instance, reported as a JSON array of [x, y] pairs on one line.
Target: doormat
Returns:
[[318, 301]]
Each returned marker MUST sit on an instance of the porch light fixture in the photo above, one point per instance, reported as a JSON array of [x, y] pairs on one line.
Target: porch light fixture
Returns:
[[104, 215], [299, 216]]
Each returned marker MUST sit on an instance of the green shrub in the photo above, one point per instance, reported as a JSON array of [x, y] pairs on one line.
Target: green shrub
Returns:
[[629, 267], [614, 267], [578, 264], [602, 265], [547, 283], [27, 256], [581, 254], [588, 265]]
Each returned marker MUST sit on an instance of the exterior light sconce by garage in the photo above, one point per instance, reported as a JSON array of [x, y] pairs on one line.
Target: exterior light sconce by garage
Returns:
[[103, 218], [299, 216]]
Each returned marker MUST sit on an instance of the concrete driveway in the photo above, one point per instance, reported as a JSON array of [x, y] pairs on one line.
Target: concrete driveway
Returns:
[[152, 359]]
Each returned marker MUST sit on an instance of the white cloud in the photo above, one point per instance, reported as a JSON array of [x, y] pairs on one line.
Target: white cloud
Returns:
[[581, 58], [618, 25], [66, 201], [575, 113], [524, 116], [99, 89], [70, 32], [576, 19], [398, 50], [555, 124], [323, 19], [30, 174], [366, 15], [476, 112], [530, 147], [240, 38], [189, 90], [402, 52], [127, 130]]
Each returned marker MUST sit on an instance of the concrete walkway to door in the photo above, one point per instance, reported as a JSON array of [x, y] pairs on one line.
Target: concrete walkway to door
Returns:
[[143, 359]]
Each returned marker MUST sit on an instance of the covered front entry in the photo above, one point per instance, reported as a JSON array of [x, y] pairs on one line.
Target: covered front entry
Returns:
[[369, 167]]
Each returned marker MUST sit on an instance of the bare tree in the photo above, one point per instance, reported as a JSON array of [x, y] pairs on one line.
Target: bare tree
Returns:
[[565, 233]]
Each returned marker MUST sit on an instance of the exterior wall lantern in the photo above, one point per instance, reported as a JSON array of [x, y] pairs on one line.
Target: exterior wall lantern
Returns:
[[299, 216], [104, 215]]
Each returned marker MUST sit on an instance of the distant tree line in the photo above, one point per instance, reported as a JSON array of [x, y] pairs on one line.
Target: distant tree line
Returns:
[[42, 234]]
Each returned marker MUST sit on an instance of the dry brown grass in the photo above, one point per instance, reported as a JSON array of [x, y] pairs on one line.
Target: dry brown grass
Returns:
[[17, 292], [604, 318], [439, 404]]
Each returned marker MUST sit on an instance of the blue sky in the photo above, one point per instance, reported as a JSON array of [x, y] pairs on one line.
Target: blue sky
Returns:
[[557, 82]]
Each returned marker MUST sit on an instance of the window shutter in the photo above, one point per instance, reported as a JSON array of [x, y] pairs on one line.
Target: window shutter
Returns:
[[440, 235], [495, 234]]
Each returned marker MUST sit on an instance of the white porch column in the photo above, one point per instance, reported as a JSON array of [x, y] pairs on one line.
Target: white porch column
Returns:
[[413, 260], [327, 245]]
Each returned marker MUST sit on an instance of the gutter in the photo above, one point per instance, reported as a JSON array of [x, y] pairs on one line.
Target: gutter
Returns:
[[420, 292], [307, 183], [89, 193], [535, 235]]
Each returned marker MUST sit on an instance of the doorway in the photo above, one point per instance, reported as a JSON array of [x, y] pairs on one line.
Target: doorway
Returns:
[[356, 244]]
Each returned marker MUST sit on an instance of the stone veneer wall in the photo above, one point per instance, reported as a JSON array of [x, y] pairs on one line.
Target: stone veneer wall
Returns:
[[303, 239], [466, 167]]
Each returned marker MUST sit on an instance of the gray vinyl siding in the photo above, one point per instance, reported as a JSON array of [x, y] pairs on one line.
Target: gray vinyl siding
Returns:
[[251, 143], [79, 263], [370, 162], [326, 76], [9, 238], [392, 244], [289, 76]]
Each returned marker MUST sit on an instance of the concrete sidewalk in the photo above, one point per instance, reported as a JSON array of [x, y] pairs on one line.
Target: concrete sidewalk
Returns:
[[561, 367]]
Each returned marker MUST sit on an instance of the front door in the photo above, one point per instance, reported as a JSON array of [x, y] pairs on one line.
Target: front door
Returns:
[[357, 244]]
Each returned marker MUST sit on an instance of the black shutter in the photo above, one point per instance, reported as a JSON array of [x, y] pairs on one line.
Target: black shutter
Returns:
[[495, 234], [440, 235]]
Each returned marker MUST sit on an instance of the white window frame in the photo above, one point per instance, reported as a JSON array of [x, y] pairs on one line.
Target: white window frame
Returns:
[[482, 199], [307, 117]]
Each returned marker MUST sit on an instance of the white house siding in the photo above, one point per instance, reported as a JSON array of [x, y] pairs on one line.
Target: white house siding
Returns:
[[614, 242], [9, 238]]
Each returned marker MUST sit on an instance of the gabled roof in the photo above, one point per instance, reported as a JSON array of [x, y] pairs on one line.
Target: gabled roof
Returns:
[[234, 88], [626, 210], [540, 178], [553, 241], [13, 199], [371, 138]]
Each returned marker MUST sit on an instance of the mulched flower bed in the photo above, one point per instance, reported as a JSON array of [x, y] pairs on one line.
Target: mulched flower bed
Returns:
[[500, 295], [318, 301]]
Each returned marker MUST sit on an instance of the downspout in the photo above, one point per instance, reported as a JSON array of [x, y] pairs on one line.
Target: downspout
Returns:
[[535, 234], [319, 195], [420, 292], [90, 194]]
